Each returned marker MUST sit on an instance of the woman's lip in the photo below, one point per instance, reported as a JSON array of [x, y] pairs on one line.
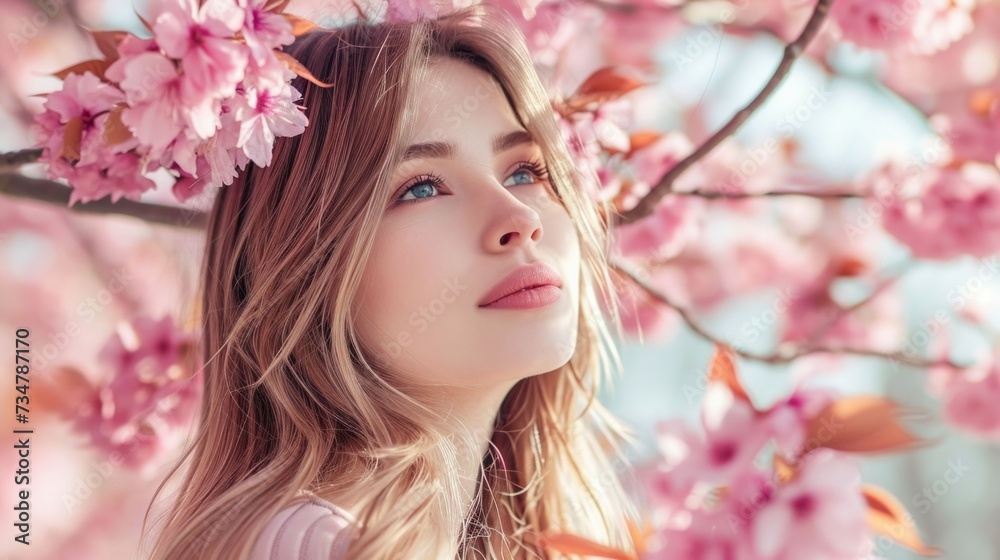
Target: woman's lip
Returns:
[[539, 296], [537, 273]]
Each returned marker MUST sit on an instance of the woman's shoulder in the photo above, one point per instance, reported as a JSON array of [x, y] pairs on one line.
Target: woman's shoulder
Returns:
[[311, 528]]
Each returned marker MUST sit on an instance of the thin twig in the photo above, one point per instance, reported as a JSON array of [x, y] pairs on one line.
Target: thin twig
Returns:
[[782, 356], [792, 52], [734, 194], [41, 190], [880, 287]]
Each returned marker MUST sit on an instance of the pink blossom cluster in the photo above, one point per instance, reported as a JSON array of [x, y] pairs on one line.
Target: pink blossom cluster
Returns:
[[970, 397], [151, 390], [941, 212], [926, 26], [204, 96], [714, 499]]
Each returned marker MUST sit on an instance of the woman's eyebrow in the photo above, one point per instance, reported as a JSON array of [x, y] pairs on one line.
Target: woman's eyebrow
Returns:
[[501, 142]]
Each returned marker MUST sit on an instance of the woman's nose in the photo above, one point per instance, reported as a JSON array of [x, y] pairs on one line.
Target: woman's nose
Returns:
[[511, 223]]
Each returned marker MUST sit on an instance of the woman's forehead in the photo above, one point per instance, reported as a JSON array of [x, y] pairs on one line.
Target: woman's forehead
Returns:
[[458, 99]]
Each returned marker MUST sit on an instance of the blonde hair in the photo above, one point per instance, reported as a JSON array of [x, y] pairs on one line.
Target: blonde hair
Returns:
[[294, 400]]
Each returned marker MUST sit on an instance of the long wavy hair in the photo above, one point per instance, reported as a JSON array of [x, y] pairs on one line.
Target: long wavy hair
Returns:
[[292, 397]]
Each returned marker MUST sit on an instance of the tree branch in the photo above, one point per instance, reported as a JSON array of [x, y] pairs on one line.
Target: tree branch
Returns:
[[880, 287], [16, 185], [771, 194], [782, 356], [792, 52], [13, 160]]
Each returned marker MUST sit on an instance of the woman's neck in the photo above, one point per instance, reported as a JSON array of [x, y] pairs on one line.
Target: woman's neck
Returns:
[[468, 419]]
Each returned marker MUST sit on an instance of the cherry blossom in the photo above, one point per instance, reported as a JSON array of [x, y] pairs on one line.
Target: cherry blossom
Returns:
[[98, 171], [264, 31], [150, 390], [972, 135], [199, 36], [939, 23], [820, 514], [159, 110], [874, 25], [969, 397], [957, 214]]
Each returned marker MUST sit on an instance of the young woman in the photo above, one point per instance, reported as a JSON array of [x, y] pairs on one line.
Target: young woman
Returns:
[[369, 393]]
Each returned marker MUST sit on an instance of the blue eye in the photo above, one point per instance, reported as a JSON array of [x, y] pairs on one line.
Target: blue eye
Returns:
[[424, 186], [523, 173], [533, 170]]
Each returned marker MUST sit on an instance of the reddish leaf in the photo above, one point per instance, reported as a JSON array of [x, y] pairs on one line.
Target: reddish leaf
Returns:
[[145, 23], [107, 42], [640, 535], [983, 101], [603, 85], [277, 6], [573, 544], [298, 68], [300, 26], [71, 139], [783, 470], [888, 517], [63, 390], [723, 369], [851, 267], [96, 67], [642, 139], [115, 131], [861, 424]]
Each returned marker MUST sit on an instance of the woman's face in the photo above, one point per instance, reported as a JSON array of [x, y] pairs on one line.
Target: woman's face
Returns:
[[443, 245]]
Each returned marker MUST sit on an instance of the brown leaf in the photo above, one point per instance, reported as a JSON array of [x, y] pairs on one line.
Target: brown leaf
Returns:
[[783, 470], [640, 535], [63, 390], [107, 42], [72, 136], [573, 544], [641, 139], [96, 67], [982, 102], [300, 26], [888, 517], [277, 6], [723, 369], [145, 23], [851, 266], [115, 131], [298, 68], [861, 424], [603, 85]]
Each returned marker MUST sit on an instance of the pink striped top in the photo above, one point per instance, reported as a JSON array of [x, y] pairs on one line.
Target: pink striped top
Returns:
[[313, 529]]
